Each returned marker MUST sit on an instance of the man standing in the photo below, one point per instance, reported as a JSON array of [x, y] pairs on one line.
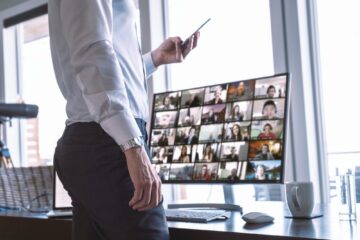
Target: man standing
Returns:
[[101, 158]]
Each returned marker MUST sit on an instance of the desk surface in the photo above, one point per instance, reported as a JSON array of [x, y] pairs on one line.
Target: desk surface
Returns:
[[14, 225], [326, 227]]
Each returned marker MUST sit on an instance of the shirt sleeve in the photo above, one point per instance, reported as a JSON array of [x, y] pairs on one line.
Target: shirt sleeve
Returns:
[[149, 64], [87, 27]]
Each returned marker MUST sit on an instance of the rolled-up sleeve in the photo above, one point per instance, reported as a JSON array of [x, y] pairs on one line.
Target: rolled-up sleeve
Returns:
[[87, 26]]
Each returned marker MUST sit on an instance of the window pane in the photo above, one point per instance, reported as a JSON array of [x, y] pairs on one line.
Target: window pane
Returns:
[[339, 39], [340, 51], [235, 44], [38, 86]]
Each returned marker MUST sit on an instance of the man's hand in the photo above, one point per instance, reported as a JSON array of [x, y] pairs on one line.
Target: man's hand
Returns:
[[145, 179], [172, 51]]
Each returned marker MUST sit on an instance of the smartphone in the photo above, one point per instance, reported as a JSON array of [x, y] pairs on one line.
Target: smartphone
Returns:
[[184, 44]]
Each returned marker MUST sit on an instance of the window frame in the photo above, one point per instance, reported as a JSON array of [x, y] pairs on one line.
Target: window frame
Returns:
[[298, 54]]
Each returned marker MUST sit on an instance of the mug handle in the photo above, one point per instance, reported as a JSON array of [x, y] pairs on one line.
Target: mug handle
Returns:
[[295, 198]]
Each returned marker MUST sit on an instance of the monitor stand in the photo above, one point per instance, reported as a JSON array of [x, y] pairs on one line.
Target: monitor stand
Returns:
[[229, 204]]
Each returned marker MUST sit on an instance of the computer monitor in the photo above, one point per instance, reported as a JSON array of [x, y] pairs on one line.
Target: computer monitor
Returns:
[[238, 136], [225, 133], [61, 198]]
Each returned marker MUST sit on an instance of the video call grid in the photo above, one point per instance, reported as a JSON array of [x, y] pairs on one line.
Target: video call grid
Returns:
[[219, 143]]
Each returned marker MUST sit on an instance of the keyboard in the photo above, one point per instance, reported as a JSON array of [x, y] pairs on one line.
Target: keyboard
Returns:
[[200, 216]]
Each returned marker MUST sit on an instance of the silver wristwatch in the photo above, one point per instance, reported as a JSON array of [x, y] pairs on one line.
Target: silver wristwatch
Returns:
[[135, 142]]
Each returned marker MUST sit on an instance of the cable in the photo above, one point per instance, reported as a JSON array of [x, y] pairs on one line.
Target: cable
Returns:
[[39, 210]]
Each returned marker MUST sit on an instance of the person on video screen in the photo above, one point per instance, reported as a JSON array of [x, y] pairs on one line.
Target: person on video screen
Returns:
[[184, 157], [191, 138], [211, 117], [167, 103], [260, 172], [203, 173], [233, 156], [271, 91], [164, 173], [269, 110], [233, 175], [217, 97], [160, 156], [163, 140], [267, 133], [264, 154], [235, 133], [194, 101], [208, 153], [240, 90], [236, 115], [188, 119]]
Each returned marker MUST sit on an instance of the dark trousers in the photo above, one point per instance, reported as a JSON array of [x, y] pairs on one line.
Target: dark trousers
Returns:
[[93, 170]]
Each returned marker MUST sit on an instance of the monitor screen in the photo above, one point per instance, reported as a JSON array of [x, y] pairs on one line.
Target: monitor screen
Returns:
[[232, 132]]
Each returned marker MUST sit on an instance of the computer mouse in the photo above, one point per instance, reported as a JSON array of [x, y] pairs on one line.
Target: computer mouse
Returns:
[[257, 217]]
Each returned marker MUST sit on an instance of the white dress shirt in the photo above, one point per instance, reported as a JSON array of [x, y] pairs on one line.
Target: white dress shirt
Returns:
[[98, 64]]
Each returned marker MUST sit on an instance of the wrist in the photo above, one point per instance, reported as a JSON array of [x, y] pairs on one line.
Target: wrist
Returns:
[[136, 142], [156, 57]]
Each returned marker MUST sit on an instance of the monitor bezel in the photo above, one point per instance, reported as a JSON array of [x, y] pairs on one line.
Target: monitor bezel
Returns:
[[284, 143]]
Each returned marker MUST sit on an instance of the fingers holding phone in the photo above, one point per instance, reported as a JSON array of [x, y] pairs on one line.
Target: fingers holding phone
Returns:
[[174, 50], [189, 44]]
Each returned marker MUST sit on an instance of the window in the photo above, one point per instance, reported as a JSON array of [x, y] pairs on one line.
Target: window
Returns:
[[236, 44], [30, 78], [36, 84], [339, 54]]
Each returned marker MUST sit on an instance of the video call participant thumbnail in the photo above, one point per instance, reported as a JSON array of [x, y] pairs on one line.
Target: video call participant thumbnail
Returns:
[[229, 171], [234, 151], [193, 97], [182, 154], [267, 133], [239, 91], [238, 111], [264, 170], [190, 116], [163, 137], [265, 150], [161, 154], [211, 133], [181, 171], [269, 109], [187, 135], [167, 101], [163, 170], [237, 131], [271, 88], [205, 171], [215, 94], [267, 130], [205, 152], [165, 119], [213, 114]]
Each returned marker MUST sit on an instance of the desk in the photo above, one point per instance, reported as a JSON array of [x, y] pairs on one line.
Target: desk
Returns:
[[25, 226]]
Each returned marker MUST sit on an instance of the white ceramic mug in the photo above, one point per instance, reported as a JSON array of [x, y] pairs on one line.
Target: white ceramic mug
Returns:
[[300, 198]]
